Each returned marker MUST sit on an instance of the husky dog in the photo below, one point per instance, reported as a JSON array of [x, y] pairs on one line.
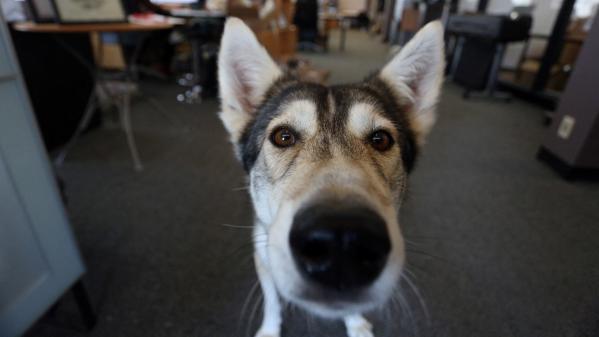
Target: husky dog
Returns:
[[328, 168]]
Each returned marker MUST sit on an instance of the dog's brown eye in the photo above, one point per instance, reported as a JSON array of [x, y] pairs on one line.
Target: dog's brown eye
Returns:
[[283, 137], [381, 140]]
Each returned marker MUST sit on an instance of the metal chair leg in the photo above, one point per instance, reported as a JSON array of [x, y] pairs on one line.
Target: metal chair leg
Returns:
[[125, 111]]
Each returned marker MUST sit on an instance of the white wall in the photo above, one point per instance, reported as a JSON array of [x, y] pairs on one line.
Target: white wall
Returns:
[[500, 6], [352, 5], [467, 6], [584, 8]]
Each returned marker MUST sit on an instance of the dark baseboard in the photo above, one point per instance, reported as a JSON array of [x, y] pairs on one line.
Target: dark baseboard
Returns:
[[546, 100], [564, 169]]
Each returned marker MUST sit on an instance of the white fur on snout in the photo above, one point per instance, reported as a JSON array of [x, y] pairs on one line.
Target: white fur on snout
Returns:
[[363, 120], [285, 274], [349, 182], [301, 116]]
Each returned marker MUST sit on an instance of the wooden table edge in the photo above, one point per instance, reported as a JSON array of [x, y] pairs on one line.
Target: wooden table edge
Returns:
[[32, 27]]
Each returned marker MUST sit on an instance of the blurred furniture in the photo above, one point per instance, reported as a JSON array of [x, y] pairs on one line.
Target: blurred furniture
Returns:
[[39, 259], [274, 30], [571, 145], [334, 20], [203, 29], [414, 16], [305, 71], [433, 11], [203, 34], [118, 91], [41, 10], [58, 97], [121, 27], [306, 21], [536, 92], [105, 11], [529, 65], [480, 45], [409, 24]]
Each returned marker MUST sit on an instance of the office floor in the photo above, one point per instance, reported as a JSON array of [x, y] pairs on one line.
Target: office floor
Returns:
[[504, 247]]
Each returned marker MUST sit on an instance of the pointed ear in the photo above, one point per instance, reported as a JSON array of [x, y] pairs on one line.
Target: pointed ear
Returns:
[[245, 72], [416, 74]]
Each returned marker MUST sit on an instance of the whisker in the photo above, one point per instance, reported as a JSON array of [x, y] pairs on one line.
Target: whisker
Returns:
[[237, 226], [248, 298], [421, 269], [410, 242], [405, 305], [395, 306], [253, 314], [422, 237], [243, 247], [254, 236], [427, 254], [418, 295], [388, 313]]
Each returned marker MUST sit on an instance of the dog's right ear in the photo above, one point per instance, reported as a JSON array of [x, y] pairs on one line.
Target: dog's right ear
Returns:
[[245, 72]]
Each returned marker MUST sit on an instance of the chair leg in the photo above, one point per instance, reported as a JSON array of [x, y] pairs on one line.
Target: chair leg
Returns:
[[125, 111], [84, 305]]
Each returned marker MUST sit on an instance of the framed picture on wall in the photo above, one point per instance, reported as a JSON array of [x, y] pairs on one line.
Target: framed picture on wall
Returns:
[[89, 11], [42, 10]]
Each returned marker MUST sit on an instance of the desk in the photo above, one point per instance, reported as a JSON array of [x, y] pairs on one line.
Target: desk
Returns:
[[119, 92], [90, 27], [337, 20], [196, 13]]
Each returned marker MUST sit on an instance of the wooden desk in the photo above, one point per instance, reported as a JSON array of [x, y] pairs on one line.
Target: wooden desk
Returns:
[[90, 27], [119, 93]]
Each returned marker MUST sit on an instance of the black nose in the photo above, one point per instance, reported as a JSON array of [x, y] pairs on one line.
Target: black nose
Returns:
[[339, 247]]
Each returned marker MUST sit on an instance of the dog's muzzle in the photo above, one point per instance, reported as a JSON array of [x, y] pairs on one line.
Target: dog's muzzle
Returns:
[[339, 247]]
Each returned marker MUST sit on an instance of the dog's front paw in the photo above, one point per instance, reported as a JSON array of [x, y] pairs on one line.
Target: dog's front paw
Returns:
[[267, 333], [357, 326], [360, 331]]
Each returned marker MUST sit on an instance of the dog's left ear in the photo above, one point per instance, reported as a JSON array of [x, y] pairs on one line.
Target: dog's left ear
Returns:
[[415, 74], [245, 73]]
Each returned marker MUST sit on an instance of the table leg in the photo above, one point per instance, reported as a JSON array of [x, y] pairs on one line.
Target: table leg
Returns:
[[343, 35], [125, 112], [457, 54]]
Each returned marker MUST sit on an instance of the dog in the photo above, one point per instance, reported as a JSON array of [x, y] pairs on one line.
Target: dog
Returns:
[[328, 169]]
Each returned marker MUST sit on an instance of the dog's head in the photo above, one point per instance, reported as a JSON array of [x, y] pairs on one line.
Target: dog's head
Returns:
[[328, 166]]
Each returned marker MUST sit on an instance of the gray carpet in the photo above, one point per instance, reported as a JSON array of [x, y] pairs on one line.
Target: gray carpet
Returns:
[[500, 245]]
